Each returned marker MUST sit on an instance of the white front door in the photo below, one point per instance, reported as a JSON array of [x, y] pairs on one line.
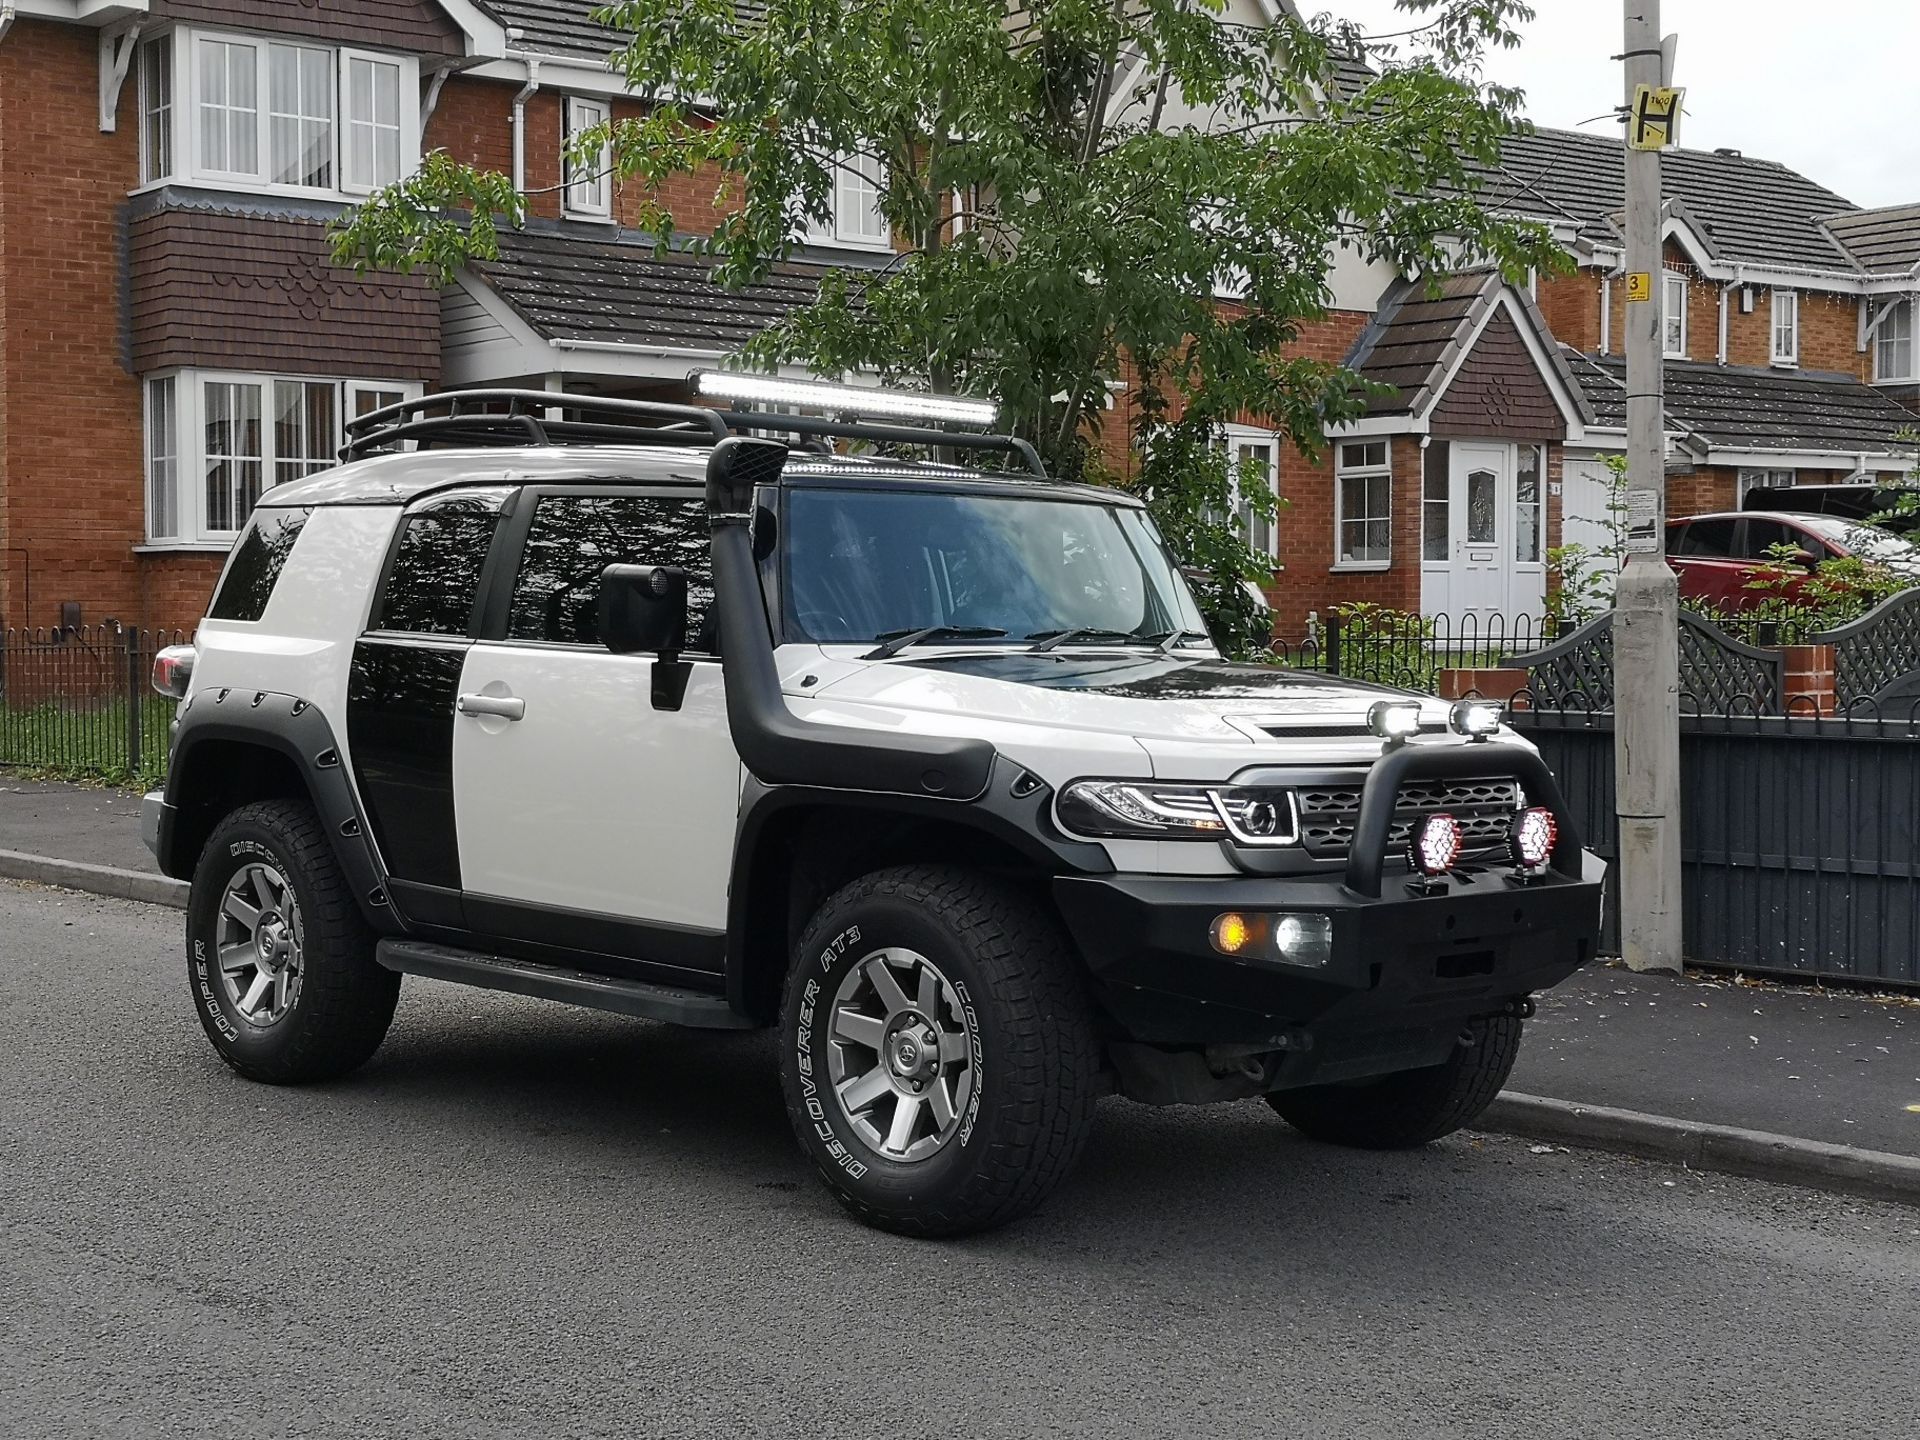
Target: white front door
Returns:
[[1483, 529]]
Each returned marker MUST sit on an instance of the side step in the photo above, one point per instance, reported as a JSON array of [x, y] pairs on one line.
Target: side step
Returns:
[[572, 987]]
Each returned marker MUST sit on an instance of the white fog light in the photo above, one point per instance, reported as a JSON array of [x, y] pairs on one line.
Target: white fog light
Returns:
[[1304, 939], [1534, 834], [1394, 719], [1436, 845], [1474, 718]]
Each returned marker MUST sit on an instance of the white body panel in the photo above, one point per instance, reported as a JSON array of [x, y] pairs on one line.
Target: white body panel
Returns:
[[595, 801]]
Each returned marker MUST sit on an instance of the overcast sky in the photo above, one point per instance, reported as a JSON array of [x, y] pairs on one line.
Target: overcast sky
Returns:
[[1831, 89]]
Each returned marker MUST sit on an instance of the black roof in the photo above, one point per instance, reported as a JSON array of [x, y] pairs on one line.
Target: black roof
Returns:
[[1731, 407], [1881, 241], [611, 286], [566, 28]]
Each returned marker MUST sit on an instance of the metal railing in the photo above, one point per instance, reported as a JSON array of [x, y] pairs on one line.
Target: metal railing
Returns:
[[76, 702], [1391, 647]]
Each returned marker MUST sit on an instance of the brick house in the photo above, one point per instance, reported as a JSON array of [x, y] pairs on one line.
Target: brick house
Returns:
[[168, 167]]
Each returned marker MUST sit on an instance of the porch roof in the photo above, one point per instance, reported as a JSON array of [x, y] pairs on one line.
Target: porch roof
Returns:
[[1735, 408]]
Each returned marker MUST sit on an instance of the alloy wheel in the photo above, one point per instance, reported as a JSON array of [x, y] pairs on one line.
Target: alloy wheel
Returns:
[[259, 944], [901, 1055]]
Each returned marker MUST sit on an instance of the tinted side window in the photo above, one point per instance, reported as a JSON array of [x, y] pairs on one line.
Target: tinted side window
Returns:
[[1763, 534], [572, 538], [436, 573], [257, 562], [1709, 539]]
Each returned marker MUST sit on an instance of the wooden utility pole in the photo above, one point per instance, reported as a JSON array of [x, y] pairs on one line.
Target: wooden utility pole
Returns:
[[1646, 626]]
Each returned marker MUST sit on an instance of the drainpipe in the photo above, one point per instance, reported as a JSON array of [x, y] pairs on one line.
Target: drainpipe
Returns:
[[527, 92]]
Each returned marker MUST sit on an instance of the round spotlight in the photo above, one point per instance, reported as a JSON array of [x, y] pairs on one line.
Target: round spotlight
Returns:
[[1232, 934], [1436, 845], [1534, 834]]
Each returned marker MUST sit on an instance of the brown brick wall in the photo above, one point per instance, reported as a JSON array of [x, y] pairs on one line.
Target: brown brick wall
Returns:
[[70, 467], [1498, 390], [416, 26], [1701, 492], [1571, 306], [247, 292]]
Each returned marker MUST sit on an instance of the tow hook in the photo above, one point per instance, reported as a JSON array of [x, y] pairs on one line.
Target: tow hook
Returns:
[[1521, 1009]]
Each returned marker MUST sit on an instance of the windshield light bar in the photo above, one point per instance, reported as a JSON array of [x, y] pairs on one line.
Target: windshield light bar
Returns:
[[843, 399]]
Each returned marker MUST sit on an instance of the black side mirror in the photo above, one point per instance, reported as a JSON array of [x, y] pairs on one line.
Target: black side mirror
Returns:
[[643, 608]]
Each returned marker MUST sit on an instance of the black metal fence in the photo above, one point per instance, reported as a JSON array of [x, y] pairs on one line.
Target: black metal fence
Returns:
[[1395, 648], [77, 702], [1799, 835]]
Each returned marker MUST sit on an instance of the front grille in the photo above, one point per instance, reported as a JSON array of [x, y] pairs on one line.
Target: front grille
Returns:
[[1484, 807]]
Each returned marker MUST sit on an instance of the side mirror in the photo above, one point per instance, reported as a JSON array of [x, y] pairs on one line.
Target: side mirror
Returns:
[[643, 608], [1806, 559]]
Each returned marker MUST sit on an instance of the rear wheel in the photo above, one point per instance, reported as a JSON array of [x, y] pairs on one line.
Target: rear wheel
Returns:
[[1414, 1107], [937, 1055], [279, 959]]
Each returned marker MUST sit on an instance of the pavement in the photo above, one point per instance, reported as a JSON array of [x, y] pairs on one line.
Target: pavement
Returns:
[[525, 1220], [1801, 1084]]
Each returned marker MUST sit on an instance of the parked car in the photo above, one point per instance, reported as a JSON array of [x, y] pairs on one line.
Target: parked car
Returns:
[[933, 771], [1854, 500], [1718, 557]]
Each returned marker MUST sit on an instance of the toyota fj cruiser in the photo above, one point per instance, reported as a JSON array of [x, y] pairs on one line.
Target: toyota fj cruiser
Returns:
[[930, 767]]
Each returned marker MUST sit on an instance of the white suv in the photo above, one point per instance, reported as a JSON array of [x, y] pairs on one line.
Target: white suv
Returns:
[[933, 769]]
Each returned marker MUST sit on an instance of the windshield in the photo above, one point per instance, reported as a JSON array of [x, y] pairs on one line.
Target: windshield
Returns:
[[863, 564], [1864, 541]]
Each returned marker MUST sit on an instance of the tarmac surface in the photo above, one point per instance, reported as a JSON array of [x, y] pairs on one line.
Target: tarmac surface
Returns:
[[524, 1220]]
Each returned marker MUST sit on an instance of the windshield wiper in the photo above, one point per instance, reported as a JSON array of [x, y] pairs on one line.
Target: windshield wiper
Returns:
[[1054, 639], [1172, 640], [898, 640]]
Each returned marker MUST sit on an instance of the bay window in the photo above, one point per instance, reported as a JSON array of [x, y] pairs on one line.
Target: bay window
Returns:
[[1893, 343], [1363, 505], [217, 440], [258, 113]]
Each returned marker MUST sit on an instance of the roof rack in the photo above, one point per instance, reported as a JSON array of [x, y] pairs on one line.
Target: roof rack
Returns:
[[521, 417]]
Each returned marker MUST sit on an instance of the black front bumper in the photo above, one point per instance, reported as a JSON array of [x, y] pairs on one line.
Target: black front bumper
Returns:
[[1408, 968]]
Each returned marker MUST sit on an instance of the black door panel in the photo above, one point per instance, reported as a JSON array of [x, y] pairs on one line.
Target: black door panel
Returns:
[[400, 716]]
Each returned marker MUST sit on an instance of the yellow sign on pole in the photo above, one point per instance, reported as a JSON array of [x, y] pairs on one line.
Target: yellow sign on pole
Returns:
[[1655, 121], [1639, 287]]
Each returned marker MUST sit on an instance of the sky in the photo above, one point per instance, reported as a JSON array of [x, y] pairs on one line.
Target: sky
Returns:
[[1830, 89]]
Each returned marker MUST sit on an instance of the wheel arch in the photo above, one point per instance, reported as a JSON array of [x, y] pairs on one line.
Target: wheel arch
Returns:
[[233, 749], [797, 846]]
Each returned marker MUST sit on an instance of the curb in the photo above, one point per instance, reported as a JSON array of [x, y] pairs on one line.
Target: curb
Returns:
[[105, 880], [1718, 1149]]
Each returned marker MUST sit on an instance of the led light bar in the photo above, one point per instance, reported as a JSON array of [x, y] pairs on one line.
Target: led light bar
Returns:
[[861, 400]]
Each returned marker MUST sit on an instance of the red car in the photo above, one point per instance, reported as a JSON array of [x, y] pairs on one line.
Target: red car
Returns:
[[1718, 556]]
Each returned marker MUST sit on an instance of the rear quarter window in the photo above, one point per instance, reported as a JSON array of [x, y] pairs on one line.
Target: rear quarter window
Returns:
[[258, 559], [436, 571]]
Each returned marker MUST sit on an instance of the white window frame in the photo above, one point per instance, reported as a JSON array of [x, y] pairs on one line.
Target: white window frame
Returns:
[[842, 233], [1342, 473], [1748, 479], [586, 196], [1233, 437], [159, 127], [1670, 310], [188, 528], [184, 132], [1540, 547], [1883, 338], [1785, 316]]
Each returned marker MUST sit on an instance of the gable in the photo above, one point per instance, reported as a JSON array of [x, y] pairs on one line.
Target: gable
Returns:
[[1499, 391], [417, 27]]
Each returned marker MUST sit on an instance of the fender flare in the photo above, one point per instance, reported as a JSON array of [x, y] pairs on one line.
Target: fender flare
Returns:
[[297, 730]]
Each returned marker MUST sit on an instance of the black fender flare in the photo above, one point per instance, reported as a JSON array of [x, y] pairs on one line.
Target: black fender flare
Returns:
[[297, 730]]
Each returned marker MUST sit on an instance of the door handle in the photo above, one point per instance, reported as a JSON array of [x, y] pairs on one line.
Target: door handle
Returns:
[[504, 707]]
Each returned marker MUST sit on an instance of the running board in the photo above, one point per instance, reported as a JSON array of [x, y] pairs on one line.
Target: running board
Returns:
[[571, 987]]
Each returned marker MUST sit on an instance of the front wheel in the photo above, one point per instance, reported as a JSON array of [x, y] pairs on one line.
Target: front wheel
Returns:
[[937, 1055], [1414, 1107], [278, 956]]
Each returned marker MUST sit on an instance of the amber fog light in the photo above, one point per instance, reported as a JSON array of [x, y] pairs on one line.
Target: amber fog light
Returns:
[[1238, 934]]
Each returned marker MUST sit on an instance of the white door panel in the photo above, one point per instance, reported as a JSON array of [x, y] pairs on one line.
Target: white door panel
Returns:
[[592, 800]]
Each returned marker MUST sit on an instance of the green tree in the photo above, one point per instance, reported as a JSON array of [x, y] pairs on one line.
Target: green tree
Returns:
[[1073, 184]]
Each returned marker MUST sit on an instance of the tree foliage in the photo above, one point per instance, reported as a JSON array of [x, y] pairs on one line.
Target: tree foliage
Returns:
[[1073, 184]]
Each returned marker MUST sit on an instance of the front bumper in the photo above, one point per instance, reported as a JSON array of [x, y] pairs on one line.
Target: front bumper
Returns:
[[156, 823], [1408, 968]]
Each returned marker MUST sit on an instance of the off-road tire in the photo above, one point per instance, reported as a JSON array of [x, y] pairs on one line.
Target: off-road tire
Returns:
[[1037, 1054], [1414, 1107], [345, 1001]]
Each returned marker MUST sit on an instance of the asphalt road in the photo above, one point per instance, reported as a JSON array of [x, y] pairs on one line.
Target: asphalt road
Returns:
[[526, 1221]]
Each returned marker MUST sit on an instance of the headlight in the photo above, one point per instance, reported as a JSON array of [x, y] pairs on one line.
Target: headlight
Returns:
[[1147, 810]]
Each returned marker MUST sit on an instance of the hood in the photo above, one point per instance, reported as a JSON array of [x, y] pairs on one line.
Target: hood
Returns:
[[1148, 697]]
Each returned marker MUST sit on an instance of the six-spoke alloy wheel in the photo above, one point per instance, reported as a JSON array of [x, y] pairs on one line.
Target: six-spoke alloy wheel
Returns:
[[278, 954], [900, 1054], [938, 1056], [259, 945]]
